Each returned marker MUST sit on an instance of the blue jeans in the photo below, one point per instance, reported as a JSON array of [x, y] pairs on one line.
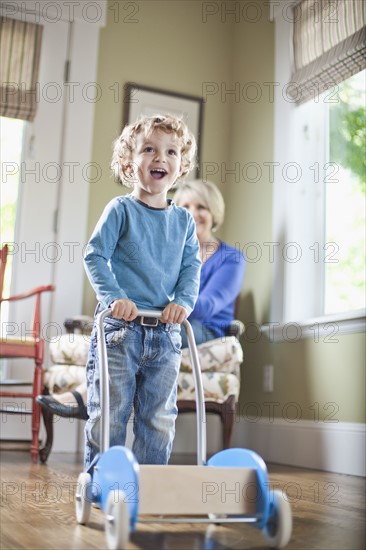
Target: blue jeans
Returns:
[[143, 364]]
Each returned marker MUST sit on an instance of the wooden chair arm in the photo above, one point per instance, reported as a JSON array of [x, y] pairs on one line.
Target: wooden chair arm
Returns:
[[33, 292], [36, 324]]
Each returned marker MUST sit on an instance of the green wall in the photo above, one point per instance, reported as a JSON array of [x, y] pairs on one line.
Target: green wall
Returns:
[[322, 381], [172, 47]]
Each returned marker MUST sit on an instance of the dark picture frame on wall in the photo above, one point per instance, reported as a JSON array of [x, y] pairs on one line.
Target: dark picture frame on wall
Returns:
[[143, 100]]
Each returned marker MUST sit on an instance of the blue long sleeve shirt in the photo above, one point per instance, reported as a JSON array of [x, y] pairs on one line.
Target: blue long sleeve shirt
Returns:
[[148, 255], [221, 281]]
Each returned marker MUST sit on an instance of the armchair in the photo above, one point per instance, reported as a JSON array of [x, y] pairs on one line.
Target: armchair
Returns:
[[67, 369], [220, 364], [220, 361], [24, 347]]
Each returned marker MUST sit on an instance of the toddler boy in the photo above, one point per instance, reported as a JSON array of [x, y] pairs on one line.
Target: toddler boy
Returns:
[[143, 254]]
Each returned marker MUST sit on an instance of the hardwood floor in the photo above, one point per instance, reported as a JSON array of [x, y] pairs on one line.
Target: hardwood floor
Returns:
[[37, 512]]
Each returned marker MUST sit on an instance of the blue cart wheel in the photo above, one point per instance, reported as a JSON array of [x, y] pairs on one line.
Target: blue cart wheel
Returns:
[[278, 528], [82, 498], [117, 521]]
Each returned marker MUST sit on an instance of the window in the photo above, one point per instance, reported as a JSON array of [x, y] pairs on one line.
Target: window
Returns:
[[319, 206], [345, 198], [20, 55], [11, 146]]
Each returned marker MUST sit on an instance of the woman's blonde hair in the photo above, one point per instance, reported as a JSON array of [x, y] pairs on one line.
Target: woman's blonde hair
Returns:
[[206, 193], [125, 144]]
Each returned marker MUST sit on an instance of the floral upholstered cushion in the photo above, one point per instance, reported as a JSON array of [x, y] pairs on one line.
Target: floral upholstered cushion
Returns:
[[70, 349], [220, 361], [220, 355], [217, 386], [69, 355], [61, 378]]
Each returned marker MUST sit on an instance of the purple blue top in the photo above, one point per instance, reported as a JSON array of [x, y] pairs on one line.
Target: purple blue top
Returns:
[[220, 284]]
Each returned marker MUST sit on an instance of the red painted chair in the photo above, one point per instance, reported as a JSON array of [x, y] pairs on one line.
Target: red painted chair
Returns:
[[29, 347]]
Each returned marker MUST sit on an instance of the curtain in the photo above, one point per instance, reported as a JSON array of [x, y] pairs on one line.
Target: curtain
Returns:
[[20, 48], [329, 45]]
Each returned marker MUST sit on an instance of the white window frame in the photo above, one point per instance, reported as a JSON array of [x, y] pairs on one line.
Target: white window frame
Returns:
[[300, 154]]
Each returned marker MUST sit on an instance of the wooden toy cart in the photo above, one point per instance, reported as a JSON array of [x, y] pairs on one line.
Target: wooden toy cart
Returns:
[[232, 486]]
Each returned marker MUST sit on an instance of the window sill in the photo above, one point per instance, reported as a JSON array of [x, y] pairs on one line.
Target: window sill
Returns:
[[326, 328]]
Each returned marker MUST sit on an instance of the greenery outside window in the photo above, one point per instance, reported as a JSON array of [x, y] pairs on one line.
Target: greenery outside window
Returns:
[[345, 198]]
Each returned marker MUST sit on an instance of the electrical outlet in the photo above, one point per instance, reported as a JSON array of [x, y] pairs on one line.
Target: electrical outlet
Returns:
[[268, 372]]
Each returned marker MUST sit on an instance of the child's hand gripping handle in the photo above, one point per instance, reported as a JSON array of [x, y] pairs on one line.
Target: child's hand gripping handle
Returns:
[[104, 383]]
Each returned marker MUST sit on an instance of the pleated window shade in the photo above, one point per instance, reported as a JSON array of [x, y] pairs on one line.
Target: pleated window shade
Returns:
[[329, 43], [20, 48]]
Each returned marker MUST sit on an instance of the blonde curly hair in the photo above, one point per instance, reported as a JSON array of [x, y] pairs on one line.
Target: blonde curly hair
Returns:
[[125, 144]]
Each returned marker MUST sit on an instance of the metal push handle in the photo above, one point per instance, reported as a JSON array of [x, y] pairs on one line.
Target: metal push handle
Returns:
[[104, 383]]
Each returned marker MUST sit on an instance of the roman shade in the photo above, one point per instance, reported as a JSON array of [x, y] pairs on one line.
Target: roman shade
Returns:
[[20, 48], [329, 45]]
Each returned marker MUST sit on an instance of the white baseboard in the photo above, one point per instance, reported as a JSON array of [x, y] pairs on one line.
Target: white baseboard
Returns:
[[330, 446], [333, 447]]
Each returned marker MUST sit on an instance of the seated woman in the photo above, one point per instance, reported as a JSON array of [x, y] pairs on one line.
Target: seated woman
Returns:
[[221, 280], [222, 265]]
